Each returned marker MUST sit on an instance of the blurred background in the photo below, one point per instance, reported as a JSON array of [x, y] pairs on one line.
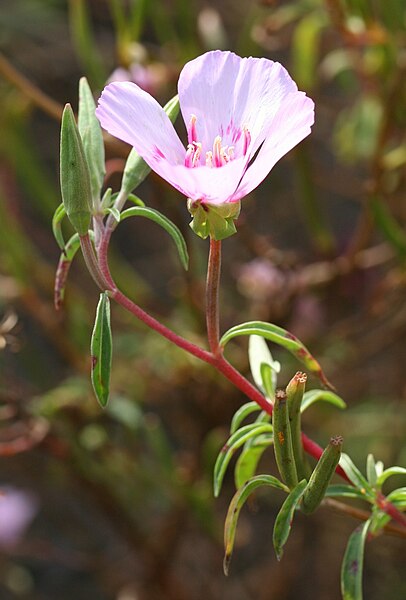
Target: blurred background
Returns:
[[117, 504]]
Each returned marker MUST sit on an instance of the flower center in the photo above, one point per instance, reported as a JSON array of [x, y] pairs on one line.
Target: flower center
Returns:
[[219, 155]]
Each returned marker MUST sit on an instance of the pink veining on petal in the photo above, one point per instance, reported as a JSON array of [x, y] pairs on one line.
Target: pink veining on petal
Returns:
[[241, 114]]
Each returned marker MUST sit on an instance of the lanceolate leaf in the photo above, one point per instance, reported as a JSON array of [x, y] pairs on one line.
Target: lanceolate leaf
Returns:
[[283, 523], [165, 223], [259, 355], [101, 350], [351, 570], [235, 507], [92, 138], [344, 491], [242, 413], [281, 337], [389, 473], [371, 470], [313, 396], [249, 458], [237, 440], [398, 497], [59, 214], [356, 477]]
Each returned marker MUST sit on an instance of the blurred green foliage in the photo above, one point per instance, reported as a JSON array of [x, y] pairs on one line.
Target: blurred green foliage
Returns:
[[125, 494]]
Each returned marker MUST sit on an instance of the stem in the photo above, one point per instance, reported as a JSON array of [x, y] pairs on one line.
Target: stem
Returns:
[[91, 262], [212, 297], [217, 361]]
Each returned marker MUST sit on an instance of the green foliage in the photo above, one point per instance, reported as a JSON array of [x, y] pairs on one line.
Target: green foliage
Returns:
[[351, 570], [101, 349], [283, 521]]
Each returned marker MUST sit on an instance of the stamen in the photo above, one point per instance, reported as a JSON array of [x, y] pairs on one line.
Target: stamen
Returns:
[[191, 131], [198, 151], [247, 140], [231, 153], [189, 155], [218, 161], [209, 159]]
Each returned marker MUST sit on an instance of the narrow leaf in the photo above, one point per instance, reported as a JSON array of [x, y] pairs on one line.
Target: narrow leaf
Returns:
[[249, 458], [115, 212], [165, 223], [258, 355], [92, 138], [313, 396], [398, 497], [59, 214], [356, 477], [344, 491], [242, 413], [282, 338], [101, 350], [235, 507], [283, 522], [237, 440], [74, 174], [389, 473], [351, 570], [371, 470]]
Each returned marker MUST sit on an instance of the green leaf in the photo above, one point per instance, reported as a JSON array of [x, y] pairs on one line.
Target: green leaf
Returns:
[[313, 396], [249, 458], [305, 48], [165, 223], [351, 570], [283, 522], [398, 497], [92, 138], [389, 473], [282, 338], [115, 212], [371, 470], [136, 169], [234, 442], [107, 199], [74, 175], [101, 350], [356, 477], [242, 413], [59, 214], [236, 504], [259, 355], [135, 200], [344, 491]]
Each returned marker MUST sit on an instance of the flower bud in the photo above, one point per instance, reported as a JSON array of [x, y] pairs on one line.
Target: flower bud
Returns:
[[322, 474], [294, 392], [283, 440]]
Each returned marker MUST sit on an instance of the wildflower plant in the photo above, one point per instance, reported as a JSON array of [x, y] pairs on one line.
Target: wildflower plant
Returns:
[[241, 116]]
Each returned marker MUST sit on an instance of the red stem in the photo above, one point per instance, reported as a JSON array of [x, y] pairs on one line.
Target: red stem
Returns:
[[214, 357], [212, 297]]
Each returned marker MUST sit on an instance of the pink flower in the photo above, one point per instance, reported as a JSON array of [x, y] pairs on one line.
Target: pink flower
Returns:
[[242, 115]]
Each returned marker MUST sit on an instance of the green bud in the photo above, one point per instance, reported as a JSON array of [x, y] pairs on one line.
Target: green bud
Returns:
[[322, 474], [294, 392], [283, 440], [216, 221], [74, 174]]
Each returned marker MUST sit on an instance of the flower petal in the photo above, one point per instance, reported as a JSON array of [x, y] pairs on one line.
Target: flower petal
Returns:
[[227, 92], [132, 115], [289, 126]]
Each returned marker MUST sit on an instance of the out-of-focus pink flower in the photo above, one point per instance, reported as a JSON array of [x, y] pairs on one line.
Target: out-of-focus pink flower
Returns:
[[17, 509], [242, 115], [150, 78]]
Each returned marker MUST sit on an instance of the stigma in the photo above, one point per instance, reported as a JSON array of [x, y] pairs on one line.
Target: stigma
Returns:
[[219, 155]]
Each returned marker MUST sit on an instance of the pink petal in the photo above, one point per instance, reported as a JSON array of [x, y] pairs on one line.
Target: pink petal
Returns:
[[224, 90], [132, 115], [289, 126]]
